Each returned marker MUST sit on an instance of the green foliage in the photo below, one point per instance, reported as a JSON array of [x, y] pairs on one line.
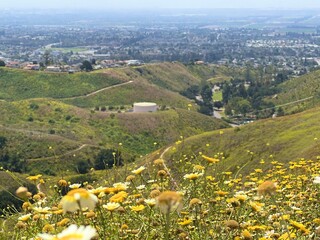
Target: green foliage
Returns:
[[3, 142], [86, 65], [108, 158], [2, 63], [83, 166]]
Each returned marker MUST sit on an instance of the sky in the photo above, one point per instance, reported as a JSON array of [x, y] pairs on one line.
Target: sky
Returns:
[[156, 4]]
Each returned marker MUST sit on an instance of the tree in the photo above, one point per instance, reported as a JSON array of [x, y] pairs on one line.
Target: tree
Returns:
[[86, 65], [83, 166], [107, 158], [218, 104], [46, 58], [3, 142], [2, 63]]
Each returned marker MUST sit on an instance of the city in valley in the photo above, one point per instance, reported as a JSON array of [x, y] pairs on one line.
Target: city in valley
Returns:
[[36, 40]]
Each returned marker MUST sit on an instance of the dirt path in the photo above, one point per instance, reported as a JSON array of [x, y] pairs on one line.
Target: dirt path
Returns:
[[167, 169], [49, 136], [97, 91], [61, 155]]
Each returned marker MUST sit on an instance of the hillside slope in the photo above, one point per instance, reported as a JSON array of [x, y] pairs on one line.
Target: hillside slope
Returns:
[[47, 129], [299, 88], [283, 139]]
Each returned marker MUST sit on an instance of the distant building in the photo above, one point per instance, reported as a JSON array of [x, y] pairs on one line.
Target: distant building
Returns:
[[134, 62], [13, 64], [35, 67], [53, 69], [145, 107]]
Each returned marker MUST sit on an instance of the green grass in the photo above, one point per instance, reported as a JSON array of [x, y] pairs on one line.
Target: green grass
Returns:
[[18, 84], [217, 96], [286, 138]]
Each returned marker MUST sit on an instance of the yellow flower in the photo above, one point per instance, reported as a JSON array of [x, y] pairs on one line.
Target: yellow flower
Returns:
[[111, 206], [210, 160], [221, 193], [62, 183], [257, 227], [137, 208], [48, 228], [169, 201], [198, 167], [77, 198], [185, 222], [192, 176], [246, 234], [256, 206], [63, 222], [194, 202], [72, 233], [299, 226], [119, 197], [286, 236], [34, 178], [139, 170]]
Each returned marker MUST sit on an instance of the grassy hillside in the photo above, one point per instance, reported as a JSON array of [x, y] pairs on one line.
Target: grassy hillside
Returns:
[[49, 129], [18, 84], [155, 82], [131, 93], [191, 197], [282, 139], [299, 88]]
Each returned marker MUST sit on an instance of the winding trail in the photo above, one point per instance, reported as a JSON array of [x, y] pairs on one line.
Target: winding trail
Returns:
[[50, 136], [167, 169], [97, 91], [61, 155]]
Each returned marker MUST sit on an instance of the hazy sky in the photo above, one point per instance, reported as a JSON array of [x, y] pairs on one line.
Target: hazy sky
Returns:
[[155, 4]]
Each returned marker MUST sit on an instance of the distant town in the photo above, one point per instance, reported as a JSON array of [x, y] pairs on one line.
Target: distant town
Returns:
[[290, 45]]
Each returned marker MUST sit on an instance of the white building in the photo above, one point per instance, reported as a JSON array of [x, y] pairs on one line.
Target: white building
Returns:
[[145, 107]]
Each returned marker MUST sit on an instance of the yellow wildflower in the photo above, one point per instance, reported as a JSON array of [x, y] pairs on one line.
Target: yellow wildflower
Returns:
[[137, 208], [139, 170], [185, 222], [119, 197], [192, 176], [210, 160]]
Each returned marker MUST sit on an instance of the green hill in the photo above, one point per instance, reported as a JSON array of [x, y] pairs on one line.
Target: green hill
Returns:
[[47, 129], [296, 89], [283, 139], [19, 84]]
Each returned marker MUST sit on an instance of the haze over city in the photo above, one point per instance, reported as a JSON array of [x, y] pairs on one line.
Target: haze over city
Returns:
[[146, 4]]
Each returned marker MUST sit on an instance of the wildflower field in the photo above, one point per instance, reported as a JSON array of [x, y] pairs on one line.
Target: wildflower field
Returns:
[[193, 201]]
